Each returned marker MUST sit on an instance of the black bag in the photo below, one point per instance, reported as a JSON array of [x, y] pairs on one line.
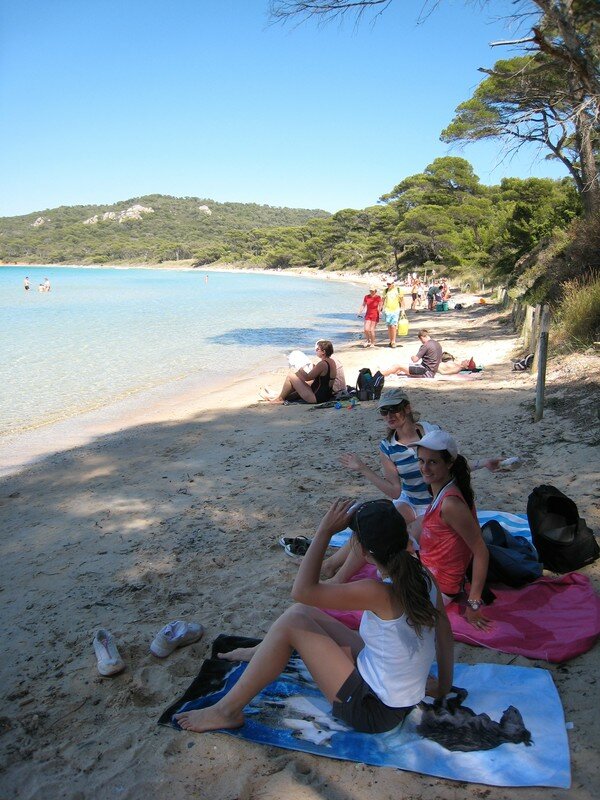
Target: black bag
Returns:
[[513, 559], [365, 384], [378, 383], [523, 363], [563, 540]]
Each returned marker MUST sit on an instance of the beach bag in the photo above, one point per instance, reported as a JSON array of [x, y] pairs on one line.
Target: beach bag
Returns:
[[403, 325], [365, 384], [523, 363], [378, 383], [513, 559], [561, 537]]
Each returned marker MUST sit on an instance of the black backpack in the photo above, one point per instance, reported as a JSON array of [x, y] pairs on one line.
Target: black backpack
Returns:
[[563, 540], [523, 363], [369, 386], [513, 560]]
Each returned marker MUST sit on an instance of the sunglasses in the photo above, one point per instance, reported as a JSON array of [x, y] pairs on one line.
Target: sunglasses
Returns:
[[385, 410]]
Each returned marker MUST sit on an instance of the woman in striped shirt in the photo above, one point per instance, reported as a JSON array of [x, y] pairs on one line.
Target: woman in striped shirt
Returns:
[[400, 477]]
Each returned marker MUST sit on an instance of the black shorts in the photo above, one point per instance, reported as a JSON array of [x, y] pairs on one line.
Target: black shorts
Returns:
[[358, 706], [418, 369]]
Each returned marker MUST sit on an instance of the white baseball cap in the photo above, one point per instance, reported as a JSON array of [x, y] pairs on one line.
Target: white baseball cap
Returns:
[[438, 440]]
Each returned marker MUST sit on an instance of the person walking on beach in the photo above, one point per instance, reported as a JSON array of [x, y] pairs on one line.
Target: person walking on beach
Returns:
[[393, 302], [374, 677], [371, 307], [429, 354]]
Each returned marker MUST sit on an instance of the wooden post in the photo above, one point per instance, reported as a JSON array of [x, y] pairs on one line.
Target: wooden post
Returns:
[[542, 358]]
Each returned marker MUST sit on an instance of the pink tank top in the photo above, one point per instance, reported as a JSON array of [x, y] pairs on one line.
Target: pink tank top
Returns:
[[443, 551]]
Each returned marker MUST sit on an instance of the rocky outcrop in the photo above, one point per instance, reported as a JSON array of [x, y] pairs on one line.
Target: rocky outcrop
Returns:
[[205, 210], [39, 221], [135, 212]]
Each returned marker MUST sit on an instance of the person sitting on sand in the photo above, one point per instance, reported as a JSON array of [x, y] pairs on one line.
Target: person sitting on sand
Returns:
[[400, 478], [312, 387], [429, 354], [449, 536], [374, 677]]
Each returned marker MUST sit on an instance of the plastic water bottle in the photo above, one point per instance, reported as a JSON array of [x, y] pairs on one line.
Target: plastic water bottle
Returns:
[[510, 463], [338, 405]]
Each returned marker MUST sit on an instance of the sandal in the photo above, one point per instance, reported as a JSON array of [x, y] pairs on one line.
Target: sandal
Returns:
[[295, 546]]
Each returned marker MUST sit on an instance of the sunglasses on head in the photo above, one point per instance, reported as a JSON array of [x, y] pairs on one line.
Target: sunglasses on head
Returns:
[[385, 410]]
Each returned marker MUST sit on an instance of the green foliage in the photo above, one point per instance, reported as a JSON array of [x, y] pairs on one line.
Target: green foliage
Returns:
[[579, 312], [177, 229]]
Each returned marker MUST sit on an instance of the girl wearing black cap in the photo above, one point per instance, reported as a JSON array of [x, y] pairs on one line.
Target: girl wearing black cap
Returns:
[[372, 677]]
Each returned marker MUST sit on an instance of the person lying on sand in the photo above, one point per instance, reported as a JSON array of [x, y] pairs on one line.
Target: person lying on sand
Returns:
[[312, 387], [371, 688]]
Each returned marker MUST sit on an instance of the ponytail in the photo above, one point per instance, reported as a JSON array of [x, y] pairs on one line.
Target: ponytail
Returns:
[[412, 585], [461, 474]]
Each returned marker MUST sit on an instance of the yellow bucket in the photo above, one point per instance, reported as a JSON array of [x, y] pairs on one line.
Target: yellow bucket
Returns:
[[403, 325]]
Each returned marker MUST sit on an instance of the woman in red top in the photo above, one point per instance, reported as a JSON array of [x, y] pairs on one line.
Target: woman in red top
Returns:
[[450, 534], [371, 306]]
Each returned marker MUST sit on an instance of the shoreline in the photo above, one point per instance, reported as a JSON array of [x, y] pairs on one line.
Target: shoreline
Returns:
[[174, 400]]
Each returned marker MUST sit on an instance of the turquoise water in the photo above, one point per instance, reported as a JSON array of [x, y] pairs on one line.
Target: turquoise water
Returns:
[[101, 335]]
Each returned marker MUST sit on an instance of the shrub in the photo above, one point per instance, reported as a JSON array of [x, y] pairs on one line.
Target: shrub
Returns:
[[578, 314]]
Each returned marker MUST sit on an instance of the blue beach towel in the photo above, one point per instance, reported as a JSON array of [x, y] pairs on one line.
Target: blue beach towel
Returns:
[[293, 714], [514, 523]]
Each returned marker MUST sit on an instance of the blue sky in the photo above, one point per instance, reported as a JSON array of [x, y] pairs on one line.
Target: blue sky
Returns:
[[106, 101]]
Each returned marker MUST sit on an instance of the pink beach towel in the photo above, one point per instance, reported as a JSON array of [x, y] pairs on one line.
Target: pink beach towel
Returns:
[[553, 619]]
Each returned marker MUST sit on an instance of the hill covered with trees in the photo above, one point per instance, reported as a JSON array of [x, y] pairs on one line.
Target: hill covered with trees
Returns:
[[148, 229]]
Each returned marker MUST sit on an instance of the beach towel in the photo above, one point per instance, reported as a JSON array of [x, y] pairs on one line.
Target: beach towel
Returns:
[[554, 619], [292, 713]]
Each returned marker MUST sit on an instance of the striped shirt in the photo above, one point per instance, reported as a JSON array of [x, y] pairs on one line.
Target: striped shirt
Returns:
[[414, 488]]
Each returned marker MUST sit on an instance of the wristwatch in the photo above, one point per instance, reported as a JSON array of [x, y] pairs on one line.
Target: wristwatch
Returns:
[[475, 604]]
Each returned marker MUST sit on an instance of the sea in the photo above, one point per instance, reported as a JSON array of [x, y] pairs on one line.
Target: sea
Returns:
[[104, 334]]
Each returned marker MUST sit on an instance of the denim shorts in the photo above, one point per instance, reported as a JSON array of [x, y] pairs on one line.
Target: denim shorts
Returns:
[[358, 706]]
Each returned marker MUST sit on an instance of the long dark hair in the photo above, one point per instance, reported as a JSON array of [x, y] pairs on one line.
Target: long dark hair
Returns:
[[381, 530], [461, 474]]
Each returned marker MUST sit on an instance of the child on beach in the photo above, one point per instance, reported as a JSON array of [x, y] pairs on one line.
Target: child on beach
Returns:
[[373, 677]]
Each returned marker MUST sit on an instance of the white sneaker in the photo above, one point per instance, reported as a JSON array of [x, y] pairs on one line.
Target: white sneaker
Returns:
[[109, 660], [175, 634]]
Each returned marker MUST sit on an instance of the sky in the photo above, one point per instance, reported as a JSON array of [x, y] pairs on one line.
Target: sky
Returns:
[[103, 102]]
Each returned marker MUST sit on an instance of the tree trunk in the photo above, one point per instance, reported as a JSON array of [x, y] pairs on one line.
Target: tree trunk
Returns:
[[590, 178]]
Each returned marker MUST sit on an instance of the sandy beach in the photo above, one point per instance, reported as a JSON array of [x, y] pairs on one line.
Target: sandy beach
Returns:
[[177, 515]]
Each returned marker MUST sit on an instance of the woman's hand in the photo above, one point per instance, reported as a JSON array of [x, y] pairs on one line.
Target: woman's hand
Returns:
[[337, 518], [432, 688], [477, 619], [351, 461]]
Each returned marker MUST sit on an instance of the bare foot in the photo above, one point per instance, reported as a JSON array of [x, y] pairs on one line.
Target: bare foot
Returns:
[[239, 654], [208, 719], [265, 394], [277, 401]]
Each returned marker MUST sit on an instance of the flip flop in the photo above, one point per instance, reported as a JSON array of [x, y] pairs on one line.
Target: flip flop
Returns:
[[295, 546]]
